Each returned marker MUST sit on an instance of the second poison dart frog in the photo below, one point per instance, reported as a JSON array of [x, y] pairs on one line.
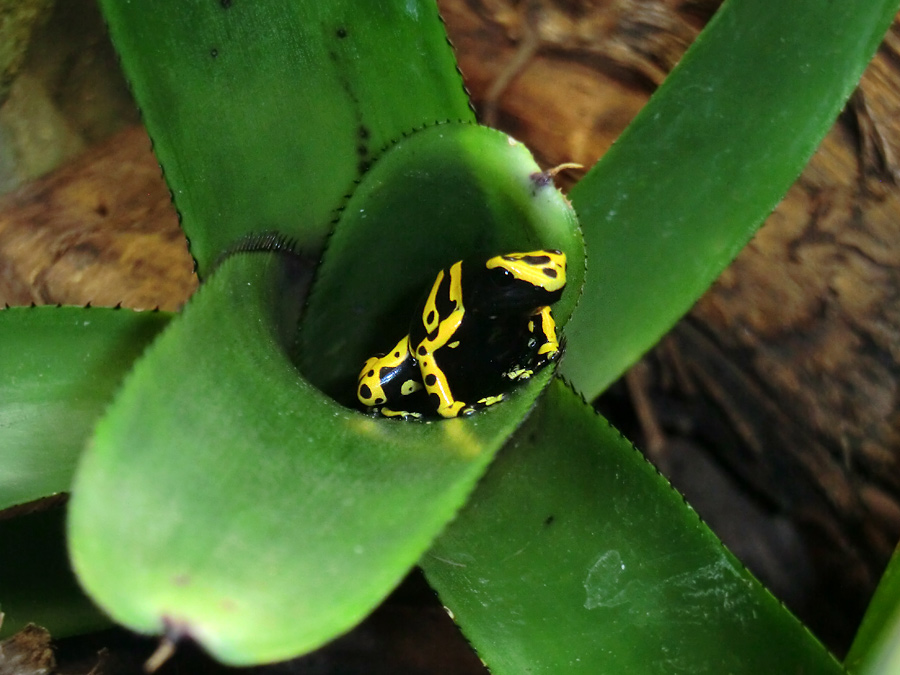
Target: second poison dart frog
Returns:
[[482, 327]]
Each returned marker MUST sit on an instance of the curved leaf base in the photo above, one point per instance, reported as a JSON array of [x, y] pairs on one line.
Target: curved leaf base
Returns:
[[226, 499]]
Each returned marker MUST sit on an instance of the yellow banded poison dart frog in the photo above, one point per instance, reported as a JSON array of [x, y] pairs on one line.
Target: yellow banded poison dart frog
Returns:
[[482, 327]]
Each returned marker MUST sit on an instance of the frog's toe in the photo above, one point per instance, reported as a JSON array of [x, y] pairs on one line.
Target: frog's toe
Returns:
[[519, 374], [491, 400], [398, 414]]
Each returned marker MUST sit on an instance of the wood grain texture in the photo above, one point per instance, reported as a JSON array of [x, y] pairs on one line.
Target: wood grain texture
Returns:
[[100, 230]]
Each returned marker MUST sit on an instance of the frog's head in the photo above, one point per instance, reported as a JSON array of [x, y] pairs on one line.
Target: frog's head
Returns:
[[519, 282]]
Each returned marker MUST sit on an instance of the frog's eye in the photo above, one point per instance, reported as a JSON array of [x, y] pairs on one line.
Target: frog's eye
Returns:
[[502, 277]]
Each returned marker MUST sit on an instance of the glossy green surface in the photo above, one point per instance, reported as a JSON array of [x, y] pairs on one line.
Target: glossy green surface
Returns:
[[225, 498], [443, 194], [575, 556], [707, 159], [60, 369], [263, 113], [876, 647]]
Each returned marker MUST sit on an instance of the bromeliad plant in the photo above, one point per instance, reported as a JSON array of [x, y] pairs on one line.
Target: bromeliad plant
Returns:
[[225, 489]]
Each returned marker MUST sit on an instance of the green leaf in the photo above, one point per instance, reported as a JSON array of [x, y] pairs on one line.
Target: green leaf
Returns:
[[263, 113], [876, 648], [445, 193], [574, 555], [226, 499], [36, 582], [60, 368], [262, 517], [686, 185]]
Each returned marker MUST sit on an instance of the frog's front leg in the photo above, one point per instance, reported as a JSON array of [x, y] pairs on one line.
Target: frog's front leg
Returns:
[[434, 328], [543, 346], [433, 377], [542, 326]]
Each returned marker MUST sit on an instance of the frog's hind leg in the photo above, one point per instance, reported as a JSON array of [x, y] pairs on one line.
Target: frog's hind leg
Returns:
[[391, 384]]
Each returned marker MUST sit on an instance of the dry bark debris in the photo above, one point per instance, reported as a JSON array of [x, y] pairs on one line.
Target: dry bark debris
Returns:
[[27, 652], [787, 370], [100, 230]]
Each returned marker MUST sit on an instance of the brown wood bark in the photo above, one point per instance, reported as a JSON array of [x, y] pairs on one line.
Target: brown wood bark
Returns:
[[774, 404], [100, 230]]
